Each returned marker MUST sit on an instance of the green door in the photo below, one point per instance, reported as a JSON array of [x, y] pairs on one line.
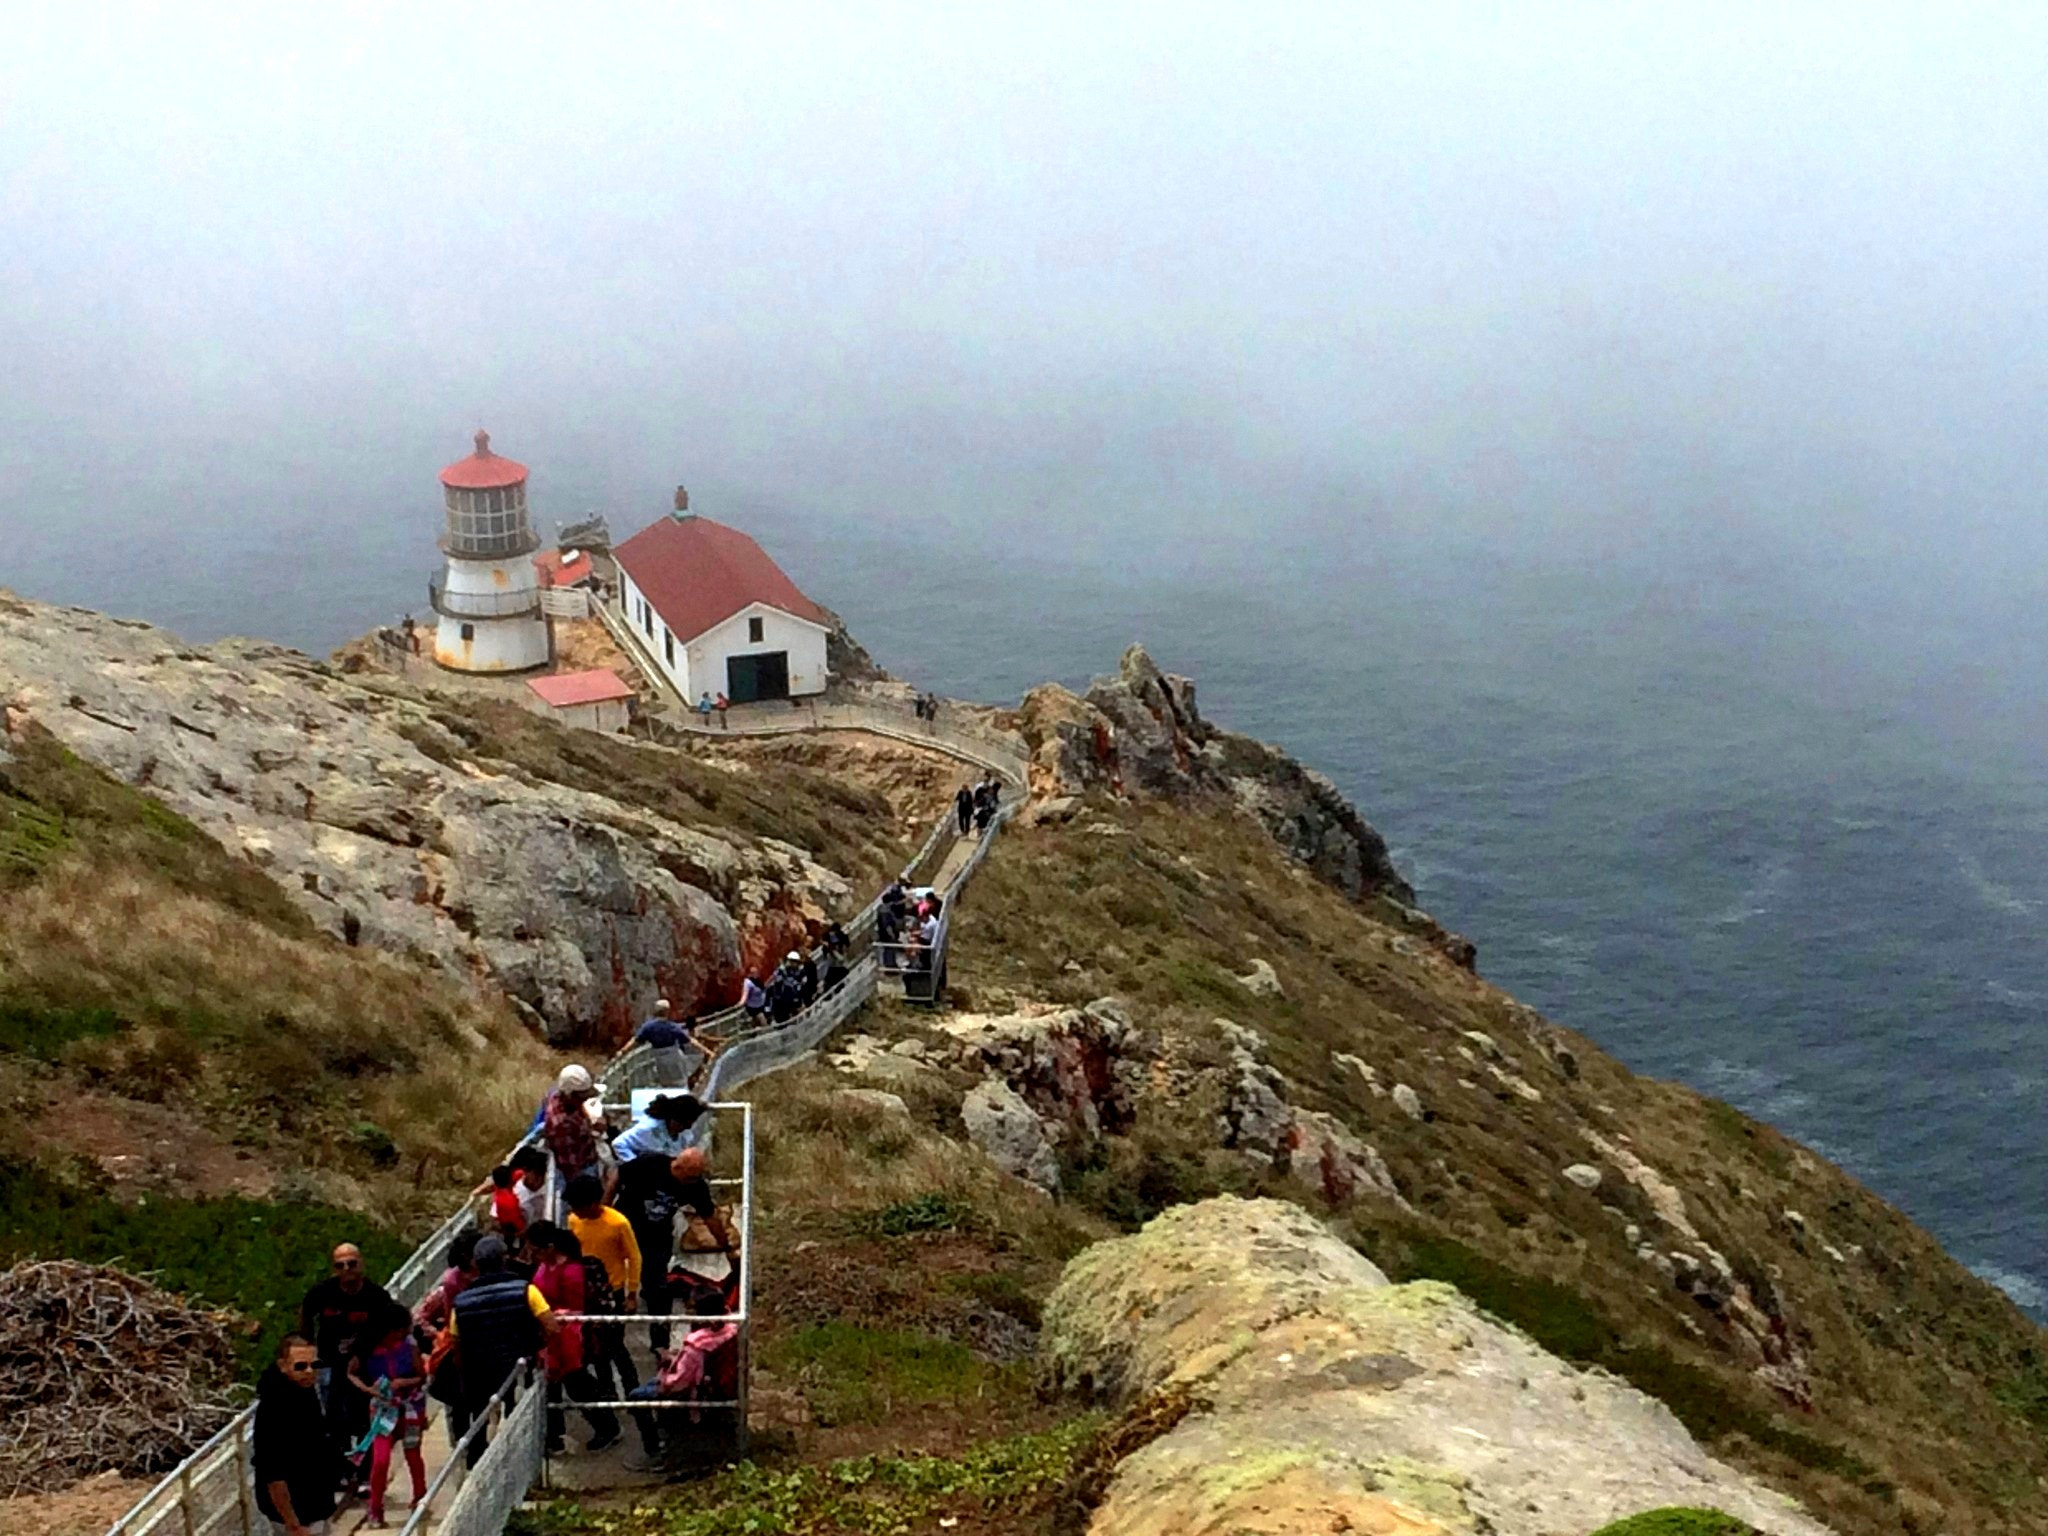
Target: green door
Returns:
[[751, 678]]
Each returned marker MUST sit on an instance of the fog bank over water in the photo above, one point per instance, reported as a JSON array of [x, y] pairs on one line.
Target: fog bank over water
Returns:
[[1166, 283], [1608, 440]]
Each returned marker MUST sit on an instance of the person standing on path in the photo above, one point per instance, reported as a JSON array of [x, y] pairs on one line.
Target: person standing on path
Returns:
[[498, 1321], [566, 1126], [559, 1278], [722, 704], [963, 808], [296, 1467], [607, 1237], [337, 1315], [663, 1036], [704, 709], [393, 1376]]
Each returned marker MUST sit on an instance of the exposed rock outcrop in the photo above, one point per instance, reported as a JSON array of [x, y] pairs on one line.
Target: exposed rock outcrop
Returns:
[[1329, 1400], [1010, 1133], [1142, 733], [376, 821], [1316, 1148]]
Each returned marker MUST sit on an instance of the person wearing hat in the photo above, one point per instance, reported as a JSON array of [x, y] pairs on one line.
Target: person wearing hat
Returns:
[[566, 1126], [499, 1320]]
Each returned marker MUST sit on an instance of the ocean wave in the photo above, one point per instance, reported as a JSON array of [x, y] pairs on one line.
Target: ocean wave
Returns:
[[1568, 952], [2024, 1289], [2009, 996], [2000, 898], [1757, 898]]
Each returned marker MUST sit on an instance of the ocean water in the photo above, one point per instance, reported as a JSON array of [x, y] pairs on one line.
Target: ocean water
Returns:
[[1777, 838]]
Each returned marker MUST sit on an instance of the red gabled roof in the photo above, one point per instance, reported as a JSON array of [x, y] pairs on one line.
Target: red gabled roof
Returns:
[[698, 574], [592, 687], [483, 470]]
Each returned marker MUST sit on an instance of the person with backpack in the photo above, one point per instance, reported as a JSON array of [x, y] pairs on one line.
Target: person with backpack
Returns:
[[611, 1266], [499, 1320], [559, 1276]]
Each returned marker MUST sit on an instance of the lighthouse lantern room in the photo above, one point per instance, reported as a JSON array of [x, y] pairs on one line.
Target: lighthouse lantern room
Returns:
[[488, 601]]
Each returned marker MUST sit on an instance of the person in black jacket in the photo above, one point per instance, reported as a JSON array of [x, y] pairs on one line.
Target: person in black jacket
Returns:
[[297, 1470], [336, 1316], [499, 1320]]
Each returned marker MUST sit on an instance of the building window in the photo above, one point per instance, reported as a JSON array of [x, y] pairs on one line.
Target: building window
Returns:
[[647, 619], [753, 631], [469, 631], [668, 645]]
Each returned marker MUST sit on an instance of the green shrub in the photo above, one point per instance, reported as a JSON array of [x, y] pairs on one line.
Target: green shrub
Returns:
[[31, 1029], [931, 1212], [1677, 1521], [869, 1495]]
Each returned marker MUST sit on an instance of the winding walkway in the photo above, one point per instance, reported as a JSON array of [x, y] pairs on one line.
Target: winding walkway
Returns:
[[211, 1491]]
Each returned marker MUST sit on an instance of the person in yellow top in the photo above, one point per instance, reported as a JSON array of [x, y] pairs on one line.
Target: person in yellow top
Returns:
[[607, 1236]]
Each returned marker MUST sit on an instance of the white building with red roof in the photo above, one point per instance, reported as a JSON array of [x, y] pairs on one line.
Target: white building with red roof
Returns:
[[716, 615], [488, 598]]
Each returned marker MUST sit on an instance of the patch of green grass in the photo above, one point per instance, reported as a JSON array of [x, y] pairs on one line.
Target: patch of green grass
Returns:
[[52, 801], [255, 1257], [930, 1212], [855, 1375], [30, 836], [869, 1495], [31, 1029], [1677, 1521]]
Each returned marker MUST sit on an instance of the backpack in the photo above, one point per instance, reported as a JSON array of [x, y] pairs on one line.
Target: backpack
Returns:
[[598, 1295]]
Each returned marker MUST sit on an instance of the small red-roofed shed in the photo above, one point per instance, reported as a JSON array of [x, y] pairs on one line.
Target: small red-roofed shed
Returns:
[[596, 700]]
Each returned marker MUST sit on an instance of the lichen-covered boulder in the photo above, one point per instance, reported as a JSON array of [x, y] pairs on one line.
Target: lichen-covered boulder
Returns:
[[1327, 1395]]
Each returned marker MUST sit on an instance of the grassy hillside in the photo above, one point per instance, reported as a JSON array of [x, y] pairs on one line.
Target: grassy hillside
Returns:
[[195, 1082], [1927, 1384]]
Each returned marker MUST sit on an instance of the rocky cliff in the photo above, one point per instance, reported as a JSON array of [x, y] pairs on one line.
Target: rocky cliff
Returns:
[[1315, 1396], [1141, 734], [393, 821]]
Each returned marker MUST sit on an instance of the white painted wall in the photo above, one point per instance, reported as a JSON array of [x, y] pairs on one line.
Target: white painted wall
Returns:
[[645, 623], [699, 667], [803, 641], [493, 644], [600, 715]]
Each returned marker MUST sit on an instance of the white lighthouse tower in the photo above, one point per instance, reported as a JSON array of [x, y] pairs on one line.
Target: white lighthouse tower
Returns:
[[489, 599]]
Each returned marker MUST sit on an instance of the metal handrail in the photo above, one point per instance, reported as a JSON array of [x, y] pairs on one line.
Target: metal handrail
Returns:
[[745, 1058], [482, 605]]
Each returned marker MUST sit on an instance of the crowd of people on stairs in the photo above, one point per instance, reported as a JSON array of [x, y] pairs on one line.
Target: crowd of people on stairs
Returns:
[[349, 1390]]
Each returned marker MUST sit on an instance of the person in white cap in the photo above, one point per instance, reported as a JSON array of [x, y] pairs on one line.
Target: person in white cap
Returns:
[[567, 1128]]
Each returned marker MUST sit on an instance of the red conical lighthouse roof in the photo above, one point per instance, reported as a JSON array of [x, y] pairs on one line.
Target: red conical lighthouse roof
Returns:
[[483, 470]]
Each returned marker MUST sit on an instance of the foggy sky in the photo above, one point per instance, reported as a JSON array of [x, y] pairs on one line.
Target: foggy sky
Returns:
[[1179, 285]]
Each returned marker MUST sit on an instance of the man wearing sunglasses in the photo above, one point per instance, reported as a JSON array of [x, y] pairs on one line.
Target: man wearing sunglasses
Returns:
[[334, 1316], [296, 1465]]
